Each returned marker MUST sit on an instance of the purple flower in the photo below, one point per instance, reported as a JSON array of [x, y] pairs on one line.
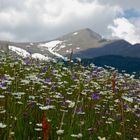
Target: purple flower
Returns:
[[74, 77], [95, 96], [136, 100], [39, 76], [47, 80], [126, 106], [3, 84], [80, 110], [137, 111], [44, 69], [48, 101], [27, 61], [3, 78], [120, 118], [33, 104], [64, 104]]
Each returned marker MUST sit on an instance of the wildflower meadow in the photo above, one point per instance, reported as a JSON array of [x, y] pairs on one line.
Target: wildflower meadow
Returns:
[[42, 100]]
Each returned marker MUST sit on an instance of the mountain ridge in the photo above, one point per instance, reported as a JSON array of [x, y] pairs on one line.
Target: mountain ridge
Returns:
[[84, 43]]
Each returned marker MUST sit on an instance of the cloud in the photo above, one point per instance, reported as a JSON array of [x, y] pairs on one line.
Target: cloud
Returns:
[[6, 35], [123, 28], [35, 20], [125, 4]]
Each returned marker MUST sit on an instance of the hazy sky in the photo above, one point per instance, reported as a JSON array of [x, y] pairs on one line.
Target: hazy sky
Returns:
[[40, 20]]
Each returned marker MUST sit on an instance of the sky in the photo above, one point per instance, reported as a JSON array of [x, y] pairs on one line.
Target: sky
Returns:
[[42, 20]]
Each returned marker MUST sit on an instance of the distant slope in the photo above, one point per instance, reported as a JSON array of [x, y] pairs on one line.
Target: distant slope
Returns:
[[128, 64]]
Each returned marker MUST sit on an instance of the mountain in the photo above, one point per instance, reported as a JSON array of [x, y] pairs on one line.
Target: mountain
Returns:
[[84, 43], [117, 47]]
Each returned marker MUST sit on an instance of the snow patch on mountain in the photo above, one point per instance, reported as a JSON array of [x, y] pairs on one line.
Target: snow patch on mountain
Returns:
[[69, 51], [59, 48], [23, 53], [56, 54], [75, 33], [78, 48], [19, 51], [62, 46], [69, 44], [39, 56], [51, 46]]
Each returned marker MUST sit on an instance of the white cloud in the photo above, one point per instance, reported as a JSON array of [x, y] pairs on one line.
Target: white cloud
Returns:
[[124, 29], [37, 20], [123, 3], [34, 20], [6, 36]]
